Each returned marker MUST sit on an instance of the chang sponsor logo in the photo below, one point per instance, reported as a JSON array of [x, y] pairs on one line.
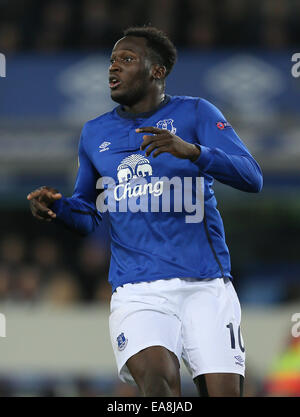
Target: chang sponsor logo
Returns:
[[129, 171], [137, 190], [132, 167], [152, 194]]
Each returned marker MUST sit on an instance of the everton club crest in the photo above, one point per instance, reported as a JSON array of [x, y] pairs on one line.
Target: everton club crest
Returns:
[[122, 341], [167, 124]]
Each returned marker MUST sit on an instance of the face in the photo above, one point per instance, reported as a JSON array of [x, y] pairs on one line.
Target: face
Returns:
[[130, 70]]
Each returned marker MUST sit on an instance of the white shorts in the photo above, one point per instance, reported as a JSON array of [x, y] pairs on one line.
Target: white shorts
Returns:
[[198, 320]]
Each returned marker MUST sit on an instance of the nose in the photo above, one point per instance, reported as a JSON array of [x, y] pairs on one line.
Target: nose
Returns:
[[114, 67]]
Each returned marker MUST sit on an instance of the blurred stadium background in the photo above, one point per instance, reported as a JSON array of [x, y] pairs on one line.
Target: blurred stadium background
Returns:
[[53, 284]]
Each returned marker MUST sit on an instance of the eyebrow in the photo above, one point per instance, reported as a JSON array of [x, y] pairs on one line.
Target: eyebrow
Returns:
[[126, 49]]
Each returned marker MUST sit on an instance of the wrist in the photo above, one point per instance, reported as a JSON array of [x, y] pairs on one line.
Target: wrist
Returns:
[[195, 153], [56, 206]]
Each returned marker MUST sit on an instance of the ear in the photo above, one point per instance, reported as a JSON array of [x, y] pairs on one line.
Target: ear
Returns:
[[159, 71]]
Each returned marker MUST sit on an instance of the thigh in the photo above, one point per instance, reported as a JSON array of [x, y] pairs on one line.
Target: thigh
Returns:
[[212, 340], [156, 371]]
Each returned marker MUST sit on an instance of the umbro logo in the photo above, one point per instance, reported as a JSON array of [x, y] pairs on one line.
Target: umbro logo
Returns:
[[240, 360], [104, 146]]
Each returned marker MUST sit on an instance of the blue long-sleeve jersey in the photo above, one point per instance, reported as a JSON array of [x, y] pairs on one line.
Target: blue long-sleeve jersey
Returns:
[[158, 244]]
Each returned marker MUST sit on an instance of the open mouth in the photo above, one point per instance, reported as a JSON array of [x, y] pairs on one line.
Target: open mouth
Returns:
[[114, 83]]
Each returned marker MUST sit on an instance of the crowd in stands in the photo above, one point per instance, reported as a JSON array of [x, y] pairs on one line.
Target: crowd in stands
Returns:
[[56, 25], [41, 271]]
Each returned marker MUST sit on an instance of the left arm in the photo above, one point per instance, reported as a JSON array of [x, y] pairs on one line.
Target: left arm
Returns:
[[223, 155], [218, 152]]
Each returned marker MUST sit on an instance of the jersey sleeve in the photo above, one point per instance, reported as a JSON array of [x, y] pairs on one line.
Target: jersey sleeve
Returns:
[[223, 155], [79, 212]]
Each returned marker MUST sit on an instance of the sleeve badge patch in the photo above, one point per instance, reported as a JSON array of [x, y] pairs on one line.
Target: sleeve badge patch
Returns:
[[223, 125]]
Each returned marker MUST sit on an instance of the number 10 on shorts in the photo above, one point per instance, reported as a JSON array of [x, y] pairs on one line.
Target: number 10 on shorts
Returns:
[[233, 339]]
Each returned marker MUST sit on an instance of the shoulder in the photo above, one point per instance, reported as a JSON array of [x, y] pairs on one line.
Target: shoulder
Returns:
[[184, 107], [198, 103], [101, 120], [185, 100], [91, 129], [200, 108], [207, 109]]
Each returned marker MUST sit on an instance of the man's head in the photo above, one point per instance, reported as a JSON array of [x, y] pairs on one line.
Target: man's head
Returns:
[[140, 62]]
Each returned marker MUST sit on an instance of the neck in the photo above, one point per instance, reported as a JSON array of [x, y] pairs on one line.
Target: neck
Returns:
[[146, 104]]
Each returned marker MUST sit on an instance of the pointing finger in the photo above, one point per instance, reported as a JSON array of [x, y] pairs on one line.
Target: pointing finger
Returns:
[[51, 195], [151, 129], [34, 194]]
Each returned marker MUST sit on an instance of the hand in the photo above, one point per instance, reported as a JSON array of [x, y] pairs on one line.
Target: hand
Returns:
[[165, 141], [40, 200]]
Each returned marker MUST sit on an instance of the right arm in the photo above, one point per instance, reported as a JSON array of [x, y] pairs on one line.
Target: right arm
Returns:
[[78, 212]]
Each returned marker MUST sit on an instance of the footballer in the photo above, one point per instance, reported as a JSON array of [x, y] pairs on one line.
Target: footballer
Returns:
[[172, 291]]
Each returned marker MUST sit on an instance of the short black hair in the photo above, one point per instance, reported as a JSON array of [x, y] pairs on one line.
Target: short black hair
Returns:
[[161, 47]]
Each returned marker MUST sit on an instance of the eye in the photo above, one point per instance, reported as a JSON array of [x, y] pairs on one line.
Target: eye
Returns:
[[112, 60], [128, 59]]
